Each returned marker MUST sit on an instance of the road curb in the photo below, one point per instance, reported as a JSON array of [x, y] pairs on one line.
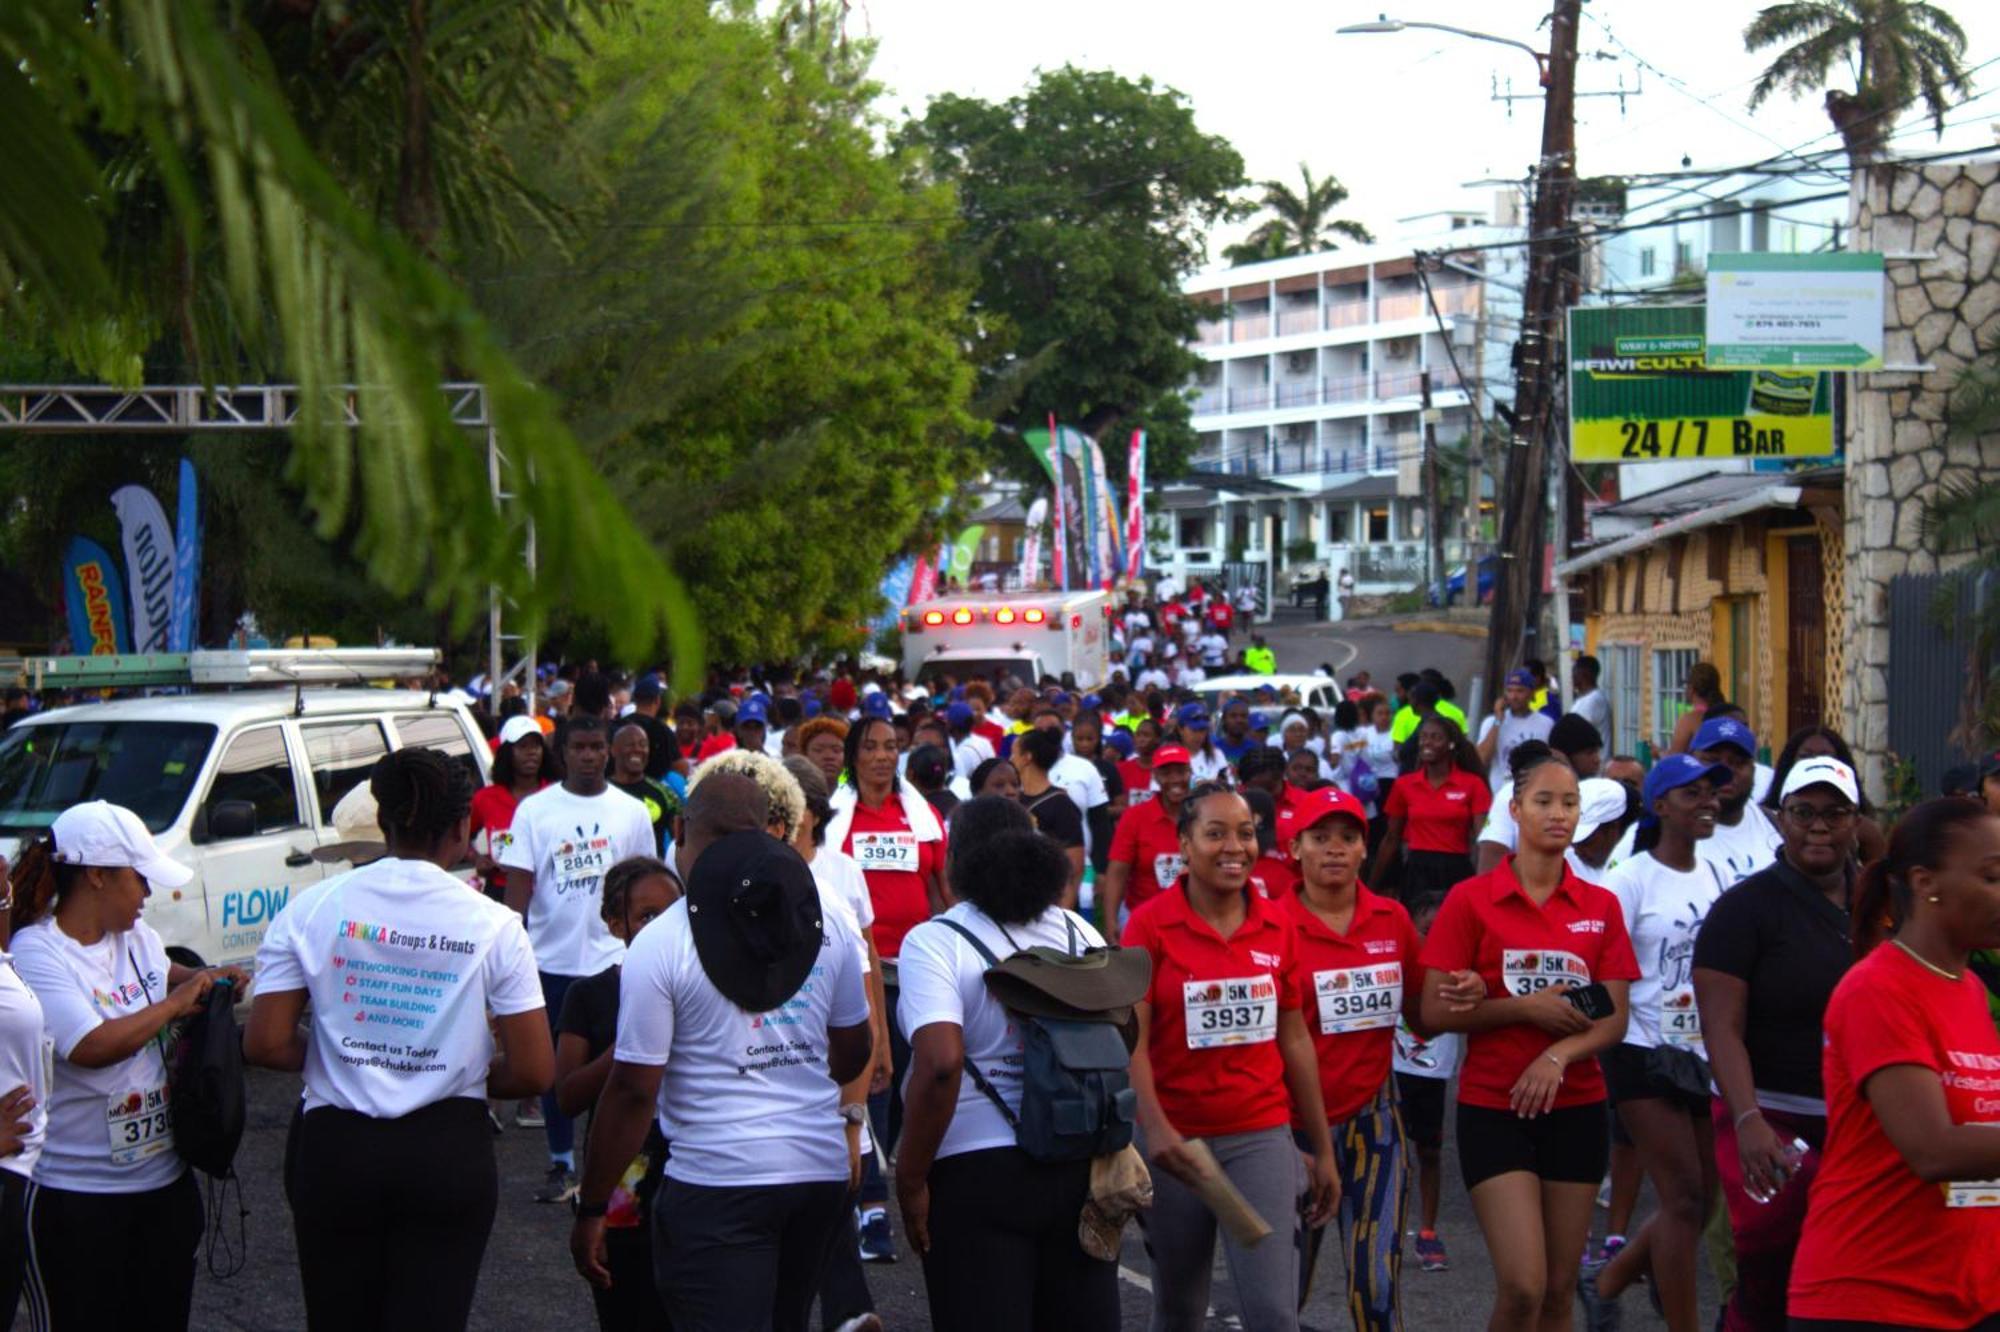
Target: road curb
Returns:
[[1440, 627]]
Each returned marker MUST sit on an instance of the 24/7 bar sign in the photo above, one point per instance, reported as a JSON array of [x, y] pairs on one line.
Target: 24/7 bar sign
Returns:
[[1638, 392]]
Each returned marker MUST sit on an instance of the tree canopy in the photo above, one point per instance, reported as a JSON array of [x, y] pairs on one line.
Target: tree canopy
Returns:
[[1299, 221]]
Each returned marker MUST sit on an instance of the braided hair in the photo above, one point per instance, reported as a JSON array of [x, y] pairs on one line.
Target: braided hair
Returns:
[[620, 879], [420, 795]]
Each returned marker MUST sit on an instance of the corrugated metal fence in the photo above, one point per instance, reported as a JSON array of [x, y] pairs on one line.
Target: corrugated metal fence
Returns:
[[1930, 667]]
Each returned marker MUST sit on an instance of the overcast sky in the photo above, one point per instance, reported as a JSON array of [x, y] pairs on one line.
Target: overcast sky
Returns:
[[1404, 120]]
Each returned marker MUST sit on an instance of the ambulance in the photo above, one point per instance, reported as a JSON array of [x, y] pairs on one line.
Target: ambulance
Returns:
[[1028, 635]]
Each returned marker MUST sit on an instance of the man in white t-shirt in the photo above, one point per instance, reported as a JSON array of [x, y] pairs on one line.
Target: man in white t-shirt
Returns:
[[565, 838], [1745, 839], [1214, 649], [1589, 701], [969, 749], [1514, 719], [742, 1011]]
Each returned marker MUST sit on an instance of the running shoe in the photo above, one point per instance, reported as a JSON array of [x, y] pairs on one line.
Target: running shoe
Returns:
[[493, 1118], [1609, 1250], [1599, 1314], [528, 1114], [1430, 1252], [866, 1322], [558, 1186], [878, 1245]]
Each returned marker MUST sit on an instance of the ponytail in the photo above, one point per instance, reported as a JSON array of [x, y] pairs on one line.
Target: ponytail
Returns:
[[38, 879], [1881, 905], [1882, 897]]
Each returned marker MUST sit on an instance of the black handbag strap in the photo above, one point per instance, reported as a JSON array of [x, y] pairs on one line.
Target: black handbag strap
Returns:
[[978, 1078]]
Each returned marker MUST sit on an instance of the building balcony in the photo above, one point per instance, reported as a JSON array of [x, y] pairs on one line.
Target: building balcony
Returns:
[[1250, 328], [1327, 391], [1302, 320], [1335, 315], [1403, 305], [1405, 383]]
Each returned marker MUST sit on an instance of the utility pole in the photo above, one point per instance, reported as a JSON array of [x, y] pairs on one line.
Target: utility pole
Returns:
[[1523, 498], [1475, 457], [1433, 524]]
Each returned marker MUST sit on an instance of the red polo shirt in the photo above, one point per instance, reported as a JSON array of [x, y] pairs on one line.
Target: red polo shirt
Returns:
[[1274, 878], [1352, 987], [1490, 925], [1138, 779], [1213, 1040], [1439, 818], [898, 895], [1147, 840]]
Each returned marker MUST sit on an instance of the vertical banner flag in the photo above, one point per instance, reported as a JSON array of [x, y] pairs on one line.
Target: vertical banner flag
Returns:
[[1093, 534], [965, 549], [924, 581], [895, 590], [149, 564], [1060, 570], [187, 565], [1110, 551], [95, 597], [1135, 506], [1031, 544]]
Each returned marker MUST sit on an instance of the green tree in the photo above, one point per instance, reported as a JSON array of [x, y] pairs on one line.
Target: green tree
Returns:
[[171, 209], [1299, 221], [760, 328], [1895, 51], [1086, 199]]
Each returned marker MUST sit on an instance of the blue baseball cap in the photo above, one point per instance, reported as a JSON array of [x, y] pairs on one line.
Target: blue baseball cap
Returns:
[[957, 693], [753, 709], [958, 714], [1120, 739], [1725, 731], [1678, 770], [1193, 714], [1091, 702], [1521, 677], [1059, 699], [812, 705], [877, 705]]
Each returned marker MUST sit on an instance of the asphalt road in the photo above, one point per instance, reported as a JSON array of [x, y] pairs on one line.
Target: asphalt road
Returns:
[[1376, 647], [528, 1283]]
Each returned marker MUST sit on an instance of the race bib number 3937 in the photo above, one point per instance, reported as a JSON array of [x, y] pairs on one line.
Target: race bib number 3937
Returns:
[[1238, 1011], [1524, 971]]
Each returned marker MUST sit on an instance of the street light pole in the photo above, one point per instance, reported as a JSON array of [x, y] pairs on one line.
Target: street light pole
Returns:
[[1537, 360]]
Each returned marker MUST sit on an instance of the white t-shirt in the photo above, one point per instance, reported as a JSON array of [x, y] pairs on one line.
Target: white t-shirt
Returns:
[[1500, 826], [1379, 753], [1760, 785], [567, 842], [1513, 731], [1208, 765], [402, 966], [1080, 777], [25, 1055], [1437, 1057], [943, 980], [1214, 648], [91, 1109], [1152, 678], [969, 753], [1664, 909], [746, 1098], [1139, 647], [844, 889], [1739, 852], [1595, 708]]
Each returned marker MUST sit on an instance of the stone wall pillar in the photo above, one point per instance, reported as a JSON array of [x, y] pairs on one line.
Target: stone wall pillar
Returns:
[[1940, 312]]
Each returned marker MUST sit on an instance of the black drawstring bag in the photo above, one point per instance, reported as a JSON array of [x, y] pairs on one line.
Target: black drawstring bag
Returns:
[[205, 1074]]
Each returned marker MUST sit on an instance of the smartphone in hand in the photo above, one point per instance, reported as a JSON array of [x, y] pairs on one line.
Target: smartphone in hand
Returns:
[[1593, 1000]]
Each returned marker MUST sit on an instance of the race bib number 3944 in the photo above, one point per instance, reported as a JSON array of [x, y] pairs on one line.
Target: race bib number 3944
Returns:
[[1524, 971], [1238, 1011], [1359, 998]]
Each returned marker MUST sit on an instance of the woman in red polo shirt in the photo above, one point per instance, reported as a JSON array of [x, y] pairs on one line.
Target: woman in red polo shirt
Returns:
[[1903, 1223], [1356, 951], [1437, 810], [1146, 847], [1224, 1056], [1137, 772], [1533, 1137]]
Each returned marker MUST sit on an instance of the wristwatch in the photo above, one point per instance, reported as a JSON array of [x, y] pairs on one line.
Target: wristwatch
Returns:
[[855, 1112]]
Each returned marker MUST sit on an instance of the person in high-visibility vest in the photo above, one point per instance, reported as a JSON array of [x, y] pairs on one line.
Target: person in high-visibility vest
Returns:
[[1259, 658]]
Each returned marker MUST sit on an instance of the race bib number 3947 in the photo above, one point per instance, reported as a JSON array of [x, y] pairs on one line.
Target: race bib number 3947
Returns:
[[895, 851], [1524, 971], [1239, 1011], [1359, 998]]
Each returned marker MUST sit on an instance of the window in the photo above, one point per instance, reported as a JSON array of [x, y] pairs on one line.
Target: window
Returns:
[[439, 731], [1194, 531], [1621, 688], [1339, 523], [148, 767], [1683, 256], [1647, 258], [256, 768], [1378, 524], [342, 755], [1670, 677]]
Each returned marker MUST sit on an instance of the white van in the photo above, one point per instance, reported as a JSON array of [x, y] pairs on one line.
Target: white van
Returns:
[[240, 786]]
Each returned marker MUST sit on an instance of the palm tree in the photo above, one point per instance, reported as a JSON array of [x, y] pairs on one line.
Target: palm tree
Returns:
[[1298, 223], [1897, 53], [178, 187]]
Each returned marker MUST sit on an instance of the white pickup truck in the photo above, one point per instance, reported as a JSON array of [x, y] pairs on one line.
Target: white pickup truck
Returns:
[[1024, 634], [240, 786]]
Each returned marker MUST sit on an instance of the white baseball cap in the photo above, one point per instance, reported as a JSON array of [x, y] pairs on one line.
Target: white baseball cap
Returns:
[[1600, 801], [1823, 771], [357, 820], [516, 727], [110, 836]]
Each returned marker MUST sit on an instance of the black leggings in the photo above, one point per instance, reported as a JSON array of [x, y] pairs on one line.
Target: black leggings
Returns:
[[13, 1242], [1004, 1255], [118, 1260], [408, 1202]]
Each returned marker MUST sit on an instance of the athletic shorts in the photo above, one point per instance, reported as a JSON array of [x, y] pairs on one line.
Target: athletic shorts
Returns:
[[1422, 1103], [1567, 1146], [1635, 1073]]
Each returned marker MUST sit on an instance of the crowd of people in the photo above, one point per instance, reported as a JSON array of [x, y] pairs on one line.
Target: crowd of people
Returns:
[[768, 944]]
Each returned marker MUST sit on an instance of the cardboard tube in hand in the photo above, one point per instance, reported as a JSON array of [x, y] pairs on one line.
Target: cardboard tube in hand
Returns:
[[1231, 1208]]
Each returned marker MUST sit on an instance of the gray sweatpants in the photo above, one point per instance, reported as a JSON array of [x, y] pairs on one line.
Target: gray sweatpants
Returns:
[[1181, 1234]]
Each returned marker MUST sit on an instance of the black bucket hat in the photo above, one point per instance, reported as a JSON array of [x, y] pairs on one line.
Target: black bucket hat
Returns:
[[754, 912]]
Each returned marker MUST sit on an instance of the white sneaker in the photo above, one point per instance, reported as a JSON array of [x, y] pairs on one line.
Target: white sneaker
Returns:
[[528, 1115], [867, 1322]]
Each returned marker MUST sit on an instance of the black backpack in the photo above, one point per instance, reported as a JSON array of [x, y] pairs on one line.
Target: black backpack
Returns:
[[1077, 1100], [206, 1077]]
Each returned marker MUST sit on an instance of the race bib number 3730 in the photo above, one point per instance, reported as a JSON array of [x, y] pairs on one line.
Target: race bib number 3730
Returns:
[[1238, 1011]]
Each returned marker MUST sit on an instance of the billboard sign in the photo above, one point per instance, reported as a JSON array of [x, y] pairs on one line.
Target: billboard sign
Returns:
[[1795, 311]]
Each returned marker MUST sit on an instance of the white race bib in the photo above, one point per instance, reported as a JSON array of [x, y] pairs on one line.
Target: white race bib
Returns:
[[1525, 971], [1972, 1193], [1680, 1020], [140, 1124], [895, 851], [1238, 1011], [580, 865], [1359, 998], [1167, 869]]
